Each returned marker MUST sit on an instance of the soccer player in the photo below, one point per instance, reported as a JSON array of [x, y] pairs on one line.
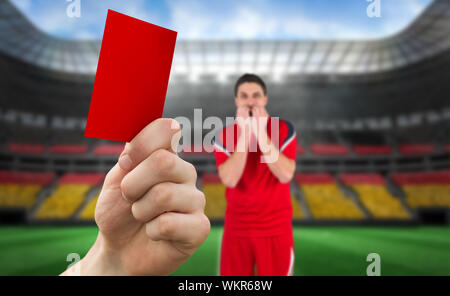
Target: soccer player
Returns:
[[149, 212], [258, 219]]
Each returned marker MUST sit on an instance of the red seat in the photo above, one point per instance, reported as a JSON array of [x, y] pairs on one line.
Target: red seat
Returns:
[[313, 178], [434, 177], [300, 149], [372, 149], [361, 178], [210, 178], [82, 178], [197, 149], [329, 149], [68, 149], [24, 148], [109, 149], [447, 147], [41, 178], [414, 149]]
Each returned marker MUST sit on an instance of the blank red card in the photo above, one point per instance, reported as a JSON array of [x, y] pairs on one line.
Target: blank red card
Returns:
[[132, 76]]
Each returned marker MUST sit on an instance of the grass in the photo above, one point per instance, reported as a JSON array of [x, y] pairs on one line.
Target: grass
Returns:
[[318, 250]]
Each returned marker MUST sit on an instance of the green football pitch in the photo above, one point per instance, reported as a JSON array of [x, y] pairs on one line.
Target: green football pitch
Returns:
[[319, 250]]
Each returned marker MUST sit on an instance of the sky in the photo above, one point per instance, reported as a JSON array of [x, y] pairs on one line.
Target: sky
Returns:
[[231, 19]]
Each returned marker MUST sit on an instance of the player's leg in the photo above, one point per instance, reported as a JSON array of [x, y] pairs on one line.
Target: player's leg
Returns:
[[236, 258], [274, 255]]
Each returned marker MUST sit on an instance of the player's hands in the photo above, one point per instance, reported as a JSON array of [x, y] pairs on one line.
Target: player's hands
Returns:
[[259, 122], [149, 212], [243, 112], [242, 119]]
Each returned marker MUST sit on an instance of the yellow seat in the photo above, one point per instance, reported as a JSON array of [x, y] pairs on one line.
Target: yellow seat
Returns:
[[379, 202], [325, 201], [215, 200], [297, 212], [63, 202], [427, 195], [18, 195], [88, 213]]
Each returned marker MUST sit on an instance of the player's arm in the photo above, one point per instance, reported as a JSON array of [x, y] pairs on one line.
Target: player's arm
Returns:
[[279, 164], [149, 213], [230, 171]]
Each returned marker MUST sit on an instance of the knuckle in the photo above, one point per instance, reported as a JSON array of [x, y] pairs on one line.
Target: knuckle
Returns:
[[202, 200], [163, 159], [204, 227], [192, 171], [162, 194], [126, 188], [166, 226]]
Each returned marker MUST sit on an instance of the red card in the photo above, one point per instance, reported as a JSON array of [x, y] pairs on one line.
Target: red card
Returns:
[[132, 76]]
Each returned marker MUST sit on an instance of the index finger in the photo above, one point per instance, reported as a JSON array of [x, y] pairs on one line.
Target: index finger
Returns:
[[162, 133]]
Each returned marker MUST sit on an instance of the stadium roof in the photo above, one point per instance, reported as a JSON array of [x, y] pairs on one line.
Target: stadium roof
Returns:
[[428, 35]]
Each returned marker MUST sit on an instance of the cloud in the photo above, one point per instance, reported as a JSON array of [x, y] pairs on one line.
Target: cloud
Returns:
[[232, 19], [51, 16]]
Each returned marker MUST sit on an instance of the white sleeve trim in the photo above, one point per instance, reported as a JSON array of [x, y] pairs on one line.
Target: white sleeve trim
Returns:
[[288, 141], [221, 149]]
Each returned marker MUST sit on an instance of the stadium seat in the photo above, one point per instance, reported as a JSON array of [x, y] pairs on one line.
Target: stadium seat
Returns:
[[214, 192], [415, 149], [19, 189], [374, 195], [297, 212], [197, 150], [372, 149], [425, 189], [69, 149], [108, 149], [329, 149], [324, 199], [68, 196], [26, 148], [88, 212], [300, 150]]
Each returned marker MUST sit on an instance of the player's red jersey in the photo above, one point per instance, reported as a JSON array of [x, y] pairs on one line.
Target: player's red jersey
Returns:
[[259, 205]]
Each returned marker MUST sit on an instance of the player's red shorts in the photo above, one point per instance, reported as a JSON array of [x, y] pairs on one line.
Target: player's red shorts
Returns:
[[270, 255]]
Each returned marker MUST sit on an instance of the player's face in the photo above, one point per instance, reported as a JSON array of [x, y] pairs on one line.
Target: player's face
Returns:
[[250, 94]]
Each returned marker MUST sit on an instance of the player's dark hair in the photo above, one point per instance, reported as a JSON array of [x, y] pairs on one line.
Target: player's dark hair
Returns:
[[249, 78]]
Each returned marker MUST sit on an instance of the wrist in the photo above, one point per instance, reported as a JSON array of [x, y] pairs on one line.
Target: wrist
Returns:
[[99, 261]]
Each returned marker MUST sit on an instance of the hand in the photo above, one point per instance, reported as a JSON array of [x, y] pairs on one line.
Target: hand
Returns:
[[243, 112], [260, 123], [149, 213]]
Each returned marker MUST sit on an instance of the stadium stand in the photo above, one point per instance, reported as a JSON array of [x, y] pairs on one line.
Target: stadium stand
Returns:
[[108, 149], [68, 149], [324, 199], [425, 189], [214, 192], [88, 212], [415, 149], [25, 148], [328, 149], [371, 189], [19, 189], [68, 196], [297, 212], [372, 149]]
